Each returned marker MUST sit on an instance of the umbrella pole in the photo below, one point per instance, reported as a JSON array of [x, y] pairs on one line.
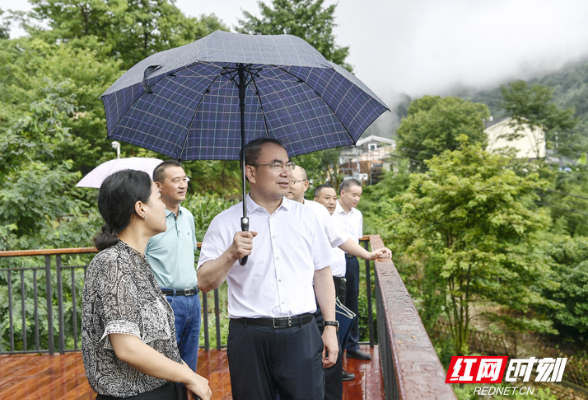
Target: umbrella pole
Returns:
[[242, 86]]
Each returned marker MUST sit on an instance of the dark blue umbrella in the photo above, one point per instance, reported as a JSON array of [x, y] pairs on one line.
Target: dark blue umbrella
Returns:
[[205, 100]]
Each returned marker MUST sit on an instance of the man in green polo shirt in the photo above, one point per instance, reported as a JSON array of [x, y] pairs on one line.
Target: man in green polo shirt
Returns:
[[171, 256]]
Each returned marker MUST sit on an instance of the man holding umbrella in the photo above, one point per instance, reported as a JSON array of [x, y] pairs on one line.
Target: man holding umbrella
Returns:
[[273, 345]]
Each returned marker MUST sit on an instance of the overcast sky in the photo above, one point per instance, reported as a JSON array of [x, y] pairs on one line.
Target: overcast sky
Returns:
[[427, 46]]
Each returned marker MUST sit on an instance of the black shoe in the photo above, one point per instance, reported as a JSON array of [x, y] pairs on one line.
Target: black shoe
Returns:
[[360, 355], [348, 376]]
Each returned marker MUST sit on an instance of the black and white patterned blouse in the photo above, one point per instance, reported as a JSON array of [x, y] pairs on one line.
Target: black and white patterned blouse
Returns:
[[121, 295]]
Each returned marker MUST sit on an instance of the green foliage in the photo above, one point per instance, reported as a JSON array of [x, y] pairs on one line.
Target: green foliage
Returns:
[[205, 208], [469, 229], [307, 19], [321, 167], [570, 256], [569, 86], [4, 27], [534, 106], [131, 30], [434, 124]]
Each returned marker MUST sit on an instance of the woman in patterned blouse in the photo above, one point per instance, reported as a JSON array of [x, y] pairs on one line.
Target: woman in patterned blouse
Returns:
[[128, 333]]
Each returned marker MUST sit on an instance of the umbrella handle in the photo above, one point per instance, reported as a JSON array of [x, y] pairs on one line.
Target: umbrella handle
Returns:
[[244, 228]]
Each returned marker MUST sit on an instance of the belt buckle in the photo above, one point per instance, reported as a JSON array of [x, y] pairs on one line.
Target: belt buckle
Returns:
[[274, 323], [188, 292]]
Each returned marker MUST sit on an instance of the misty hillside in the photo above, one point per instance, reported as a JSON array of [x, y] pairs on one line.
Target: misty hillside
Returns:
[[570, 84]]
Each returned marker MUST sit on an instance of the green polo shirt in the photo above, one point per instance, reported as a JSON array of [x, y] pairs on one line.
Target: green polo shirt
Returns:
[[171, 253]]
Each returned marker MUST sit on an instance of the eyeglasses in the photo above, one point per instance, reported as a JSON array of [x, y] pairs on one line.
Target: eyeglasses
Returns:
[[294, 182], [278, 165]]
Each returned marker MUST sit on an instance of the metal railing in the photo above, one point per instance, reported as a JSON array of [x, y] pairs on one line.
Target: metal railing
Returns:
[[410, 366], [66, 305], [32, 281]]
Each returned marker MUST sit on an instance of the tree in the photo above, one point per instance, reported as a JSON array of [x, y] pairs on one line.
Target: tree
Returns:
[[534, 106], [321, 166], [434, 124], [307, 19], [4, 27], [570, 265], [32, 68], [131, 29], [469, 228]]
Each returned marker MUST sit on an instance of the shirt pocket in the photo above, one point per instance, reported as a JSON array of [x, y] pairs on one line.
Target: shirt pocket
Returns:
[[155, 322]]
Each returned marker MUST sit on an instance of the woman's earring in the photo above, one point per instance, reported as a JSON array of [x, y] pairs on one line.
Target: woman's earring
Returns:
[[144, 216]]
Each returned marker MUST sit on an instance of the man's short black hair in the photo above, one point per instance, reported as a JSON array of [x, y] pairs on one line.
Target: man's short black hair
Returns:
[[319, 188], [347, 183], [253, 149], [159, 172]]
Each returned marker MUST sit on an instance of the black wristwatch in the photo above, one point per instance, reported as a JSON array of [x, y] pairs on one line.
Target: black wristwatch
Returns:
[[331, 323]]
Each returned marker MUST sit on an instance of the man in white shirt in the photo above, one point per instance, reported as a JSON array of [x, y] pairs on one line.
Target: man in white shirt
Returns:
[[335, 375], [274, 346], [351, 219]]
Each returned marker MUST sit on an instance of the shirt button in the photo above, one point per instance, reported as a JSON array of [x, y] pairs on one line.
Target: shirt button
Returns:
[[273, 237], [279, 280], [282, 302], [277, 258]]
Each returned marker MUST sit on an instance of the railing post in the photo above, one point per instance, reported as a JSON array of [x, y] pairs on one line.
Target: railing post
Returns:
[[217, 319], [10, 310], [35, 296], [369, 296], [23, 310], [60, 304], [48, 290], [205, 308], [74, 308]]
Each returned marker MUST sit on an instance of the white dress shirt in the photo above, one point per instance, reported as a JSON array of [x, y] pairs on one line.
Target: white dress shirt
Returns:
[[351, 222], [277, 279], [336, 235]]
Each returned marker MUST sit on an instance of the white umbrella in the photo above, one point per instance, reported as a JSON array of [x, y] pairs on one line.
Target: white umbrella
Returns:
[[95, 178]]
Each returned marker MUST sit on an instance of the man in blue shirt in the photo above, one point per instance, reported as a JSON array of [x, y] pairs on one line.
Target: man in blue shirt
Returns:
[[171, 256]]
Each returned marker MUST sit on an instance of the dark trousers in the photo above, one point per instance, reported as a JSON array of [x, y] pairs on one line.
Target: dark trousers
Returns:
[[352, 276], [264, 361], [334, 374], [169, 391]]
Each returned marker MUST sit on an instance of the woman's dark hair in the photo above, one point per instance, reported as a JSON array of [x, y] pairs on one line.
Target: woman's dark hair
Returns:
[[116, 203]]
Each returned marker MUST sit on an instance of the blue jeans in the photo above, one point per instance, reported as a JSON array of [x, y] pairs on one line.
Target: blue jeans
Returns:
[[187, 315]]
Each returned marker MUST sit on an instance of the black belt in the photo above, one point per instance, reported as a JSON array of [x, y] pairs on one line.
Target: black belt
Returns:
[[347, 255], [180, 292], [339, 279], [277, 323]]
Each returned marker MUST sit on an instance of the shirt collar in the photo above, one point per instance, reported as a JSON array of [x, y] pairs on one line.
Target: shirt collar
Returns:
[[252, 206], [168, 212], [339, 209]]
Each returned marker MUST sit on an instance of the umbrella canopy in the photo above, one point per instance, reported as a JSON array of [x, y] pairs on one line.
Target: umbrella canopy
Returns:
[[205, 100], [184, 102], [95, 178]]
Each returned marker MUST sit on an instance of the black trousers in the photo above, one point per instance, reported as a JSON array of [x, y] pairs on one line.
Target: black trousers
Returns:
[[352, 276], [334, 374], [264, 361], [169, 391]]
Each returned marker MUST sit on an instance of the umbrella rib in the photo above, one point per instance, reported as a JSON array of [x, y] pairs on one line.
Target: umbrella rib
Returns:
[[261, 106], [320, 97], [194, 115]]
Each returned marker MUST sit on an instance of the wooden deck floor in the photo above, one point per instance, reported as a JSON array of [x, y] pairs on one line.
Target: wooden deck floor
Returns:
[[33, 376]]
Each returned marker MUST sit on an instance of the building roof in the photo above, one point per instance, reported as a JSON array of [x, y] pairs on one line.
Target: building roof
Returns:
[[374, 138]]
